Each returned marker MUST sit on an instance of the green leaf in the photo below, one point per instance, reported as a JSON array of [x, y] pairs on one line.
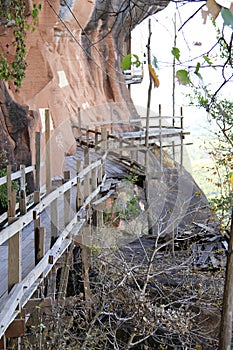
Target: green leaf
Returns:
[[126, 62], [197, 70], [27, 26], [155, 62], [227, 17], [208, 60], [137, 63], [183, 77], [176, 53]]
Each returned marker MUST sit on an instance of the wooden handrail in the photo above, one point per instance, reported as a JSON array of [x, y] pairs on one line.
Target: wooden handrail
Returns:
[[17, 174]]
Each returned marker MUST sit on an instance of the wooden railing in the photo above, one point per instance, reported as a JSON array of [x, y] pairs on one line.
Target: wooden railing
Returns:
[[86, 185], [20, 177]]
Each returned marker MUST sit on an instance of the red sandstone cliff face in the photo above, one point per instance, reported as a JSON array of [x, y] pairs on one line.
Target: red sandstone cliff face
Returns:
[[73, 61]]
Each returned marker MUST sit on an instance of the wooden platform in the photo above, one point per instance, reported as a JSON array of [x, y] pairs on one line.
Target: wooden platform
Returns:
[[113, 169]]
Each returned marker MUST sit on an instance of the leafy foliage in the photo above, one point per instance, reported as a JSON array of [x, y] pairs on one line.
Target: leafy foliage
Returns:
[[15, 70], [176, 53], [183, 77], [3, 188], [129, 60]]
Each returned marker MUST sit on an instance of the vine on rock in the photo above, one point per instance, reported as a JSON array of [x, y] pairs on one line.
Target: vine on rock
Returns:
[[14, 70]]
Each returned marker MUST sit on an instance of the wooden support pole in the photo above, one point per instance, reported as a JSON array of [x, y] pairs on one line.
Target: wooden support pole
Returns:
[[86, 176], [48, 151], [160, 138], [132, 152], [181, 138], [104, 136], [68, 259], [11, 197], [121, 145], [86, 263], [38, 158], [79, 126], [67, 201], [52, 283], [14, 260], [22, 194], [96, 137], [79, 195], [150, 86], [40, 243], [87, 137], [54, 222], [100, 218], [94, 179]]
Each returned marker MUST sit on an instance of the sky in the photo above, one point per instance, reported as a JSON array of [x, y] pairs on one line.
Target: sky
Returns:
[[194, 39]]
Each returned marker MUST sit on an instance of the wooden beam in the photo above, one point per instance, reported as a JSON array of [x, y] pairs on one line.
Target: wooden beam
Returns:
[[54, 221], [48, 158], [67, 201], [38, 159], [22, 194], [16, 329], [14, 260]]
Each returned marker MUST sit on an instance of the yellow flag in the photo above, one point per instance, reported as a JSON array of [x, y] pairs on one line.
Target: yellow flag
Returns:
[[153, 75]]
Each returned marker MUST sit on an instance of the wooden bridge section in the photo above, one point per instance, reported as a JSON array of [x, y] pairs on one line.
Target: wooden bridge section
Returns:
[[40, 230]]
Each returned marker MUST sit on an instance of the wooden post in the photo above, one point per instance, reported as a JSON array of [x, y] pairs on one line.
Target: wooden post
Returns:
[[86, 259], [79, 187], [36, 220], [64, 277], [96, 137], [132, 152], [54, 221], [87, 176], [38, 157], [14, 260], [160, 138], [48, 151], [11, 197], [104, 137], [22, 197], [121, 145], [181, 138], [149, 88], [94, 179], [67, 201], [79, 126], [39, 243], [52, 283], [227, 308]]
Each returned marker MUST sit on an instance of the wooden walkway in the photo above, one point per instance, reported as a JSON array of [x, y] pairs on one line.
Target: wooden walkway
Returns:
[[37, 237]]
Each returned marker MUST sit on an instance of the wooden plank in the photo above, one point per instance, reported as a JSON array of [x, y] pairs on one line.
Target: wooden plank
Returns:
[[16, 329], [8, 310], [16, 175], [14, 260], [54, 221], [79, 195], [48, 151], [67, 201], [38, 160], [22, 196], [39, 243], [28, 217]]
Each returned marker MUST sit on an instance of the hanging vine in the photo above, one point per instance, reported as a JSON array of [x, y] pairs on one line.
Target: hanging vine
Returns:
[[14, 12]]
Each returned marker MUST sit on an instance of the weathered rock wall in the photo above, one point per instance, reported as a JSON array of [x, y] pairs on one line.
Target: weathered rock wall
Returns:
[[73, 61]]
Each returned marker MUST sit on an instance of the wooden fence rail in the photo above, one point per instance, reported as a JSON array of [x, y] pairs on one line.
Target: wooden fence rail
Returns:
[[20, 290]]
